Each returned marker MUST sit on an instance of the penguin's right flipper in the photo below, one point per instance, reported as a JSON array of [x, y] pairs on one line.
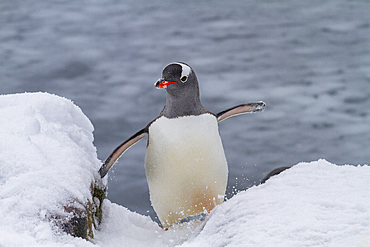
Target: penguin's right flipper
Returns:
[[120, 150], [240, 109]]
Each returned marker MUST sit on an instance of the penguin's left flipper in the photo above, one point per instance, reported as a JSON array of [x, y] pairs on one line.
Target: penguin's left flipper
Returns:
[[120, 150], [240, 109]]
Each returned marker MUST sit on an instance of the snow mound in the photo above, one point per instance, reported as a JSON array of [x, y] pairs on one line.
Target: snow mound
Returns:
[[311, 204], [47, 157]]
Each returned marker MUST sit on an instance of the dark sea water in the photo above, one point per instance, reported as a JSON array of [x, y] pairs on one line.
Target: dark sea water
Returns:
[[308, 60]]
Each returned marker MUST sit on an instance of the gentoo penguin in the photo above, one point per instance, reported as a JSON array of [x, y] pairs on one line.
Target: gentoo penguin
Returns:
[[185, 163]]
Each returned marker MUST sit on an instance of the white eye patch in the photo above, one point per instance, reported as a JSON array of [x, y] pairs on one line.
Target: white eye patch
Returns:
[[185, 69]]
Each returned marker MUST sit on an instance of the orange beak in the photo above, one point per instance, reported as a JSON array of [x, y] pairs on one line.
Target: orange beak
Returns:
[[161, 83]]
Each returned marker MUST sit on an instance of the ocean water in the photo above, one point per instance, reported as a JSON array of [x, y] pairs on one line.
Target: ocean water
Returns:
[[308, 60]]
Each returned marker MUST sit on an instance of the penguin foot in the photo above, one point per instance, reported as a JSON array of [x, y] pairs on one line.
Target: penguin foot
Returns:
[[200, 217]]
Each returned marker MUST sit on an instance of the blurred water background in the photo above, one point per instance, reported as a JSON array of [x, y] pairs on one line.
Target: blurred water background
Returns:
[[308, 60]]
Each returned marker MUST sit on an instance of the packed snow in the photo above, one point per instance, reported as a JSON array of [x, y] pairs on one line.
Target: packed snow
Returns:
[[47, 161], [47, 156]]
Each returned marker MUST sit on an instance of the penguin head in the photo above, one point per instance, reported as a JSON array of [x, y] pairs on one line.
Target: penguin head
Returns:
[[177, 78]]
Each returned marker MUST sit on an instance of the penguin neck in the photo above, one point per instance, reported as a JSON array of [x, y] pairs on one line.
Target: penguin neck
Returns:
[[183, 105]]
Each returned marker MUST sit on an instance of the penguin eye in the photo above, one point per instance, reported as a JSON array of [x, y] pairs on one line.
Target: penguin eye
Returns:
[[184, 78]]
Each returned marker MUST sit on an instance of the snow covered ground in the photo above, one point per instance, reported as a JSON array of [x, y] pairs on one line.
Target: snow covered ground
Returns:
[[47, 157]]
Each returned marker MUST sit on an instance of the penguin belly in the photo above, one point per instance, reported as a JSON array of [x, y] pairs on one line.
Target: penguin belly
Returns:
[[185, 167]]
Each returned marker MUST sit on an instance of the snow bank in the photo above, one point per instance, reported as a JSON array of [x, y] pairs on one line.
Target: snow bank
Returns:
[[47, 157], [311, 204]]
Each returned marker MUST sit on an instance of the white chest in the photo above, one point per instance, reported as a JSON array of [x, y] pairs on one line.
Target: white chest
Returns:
[[185, 164]]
